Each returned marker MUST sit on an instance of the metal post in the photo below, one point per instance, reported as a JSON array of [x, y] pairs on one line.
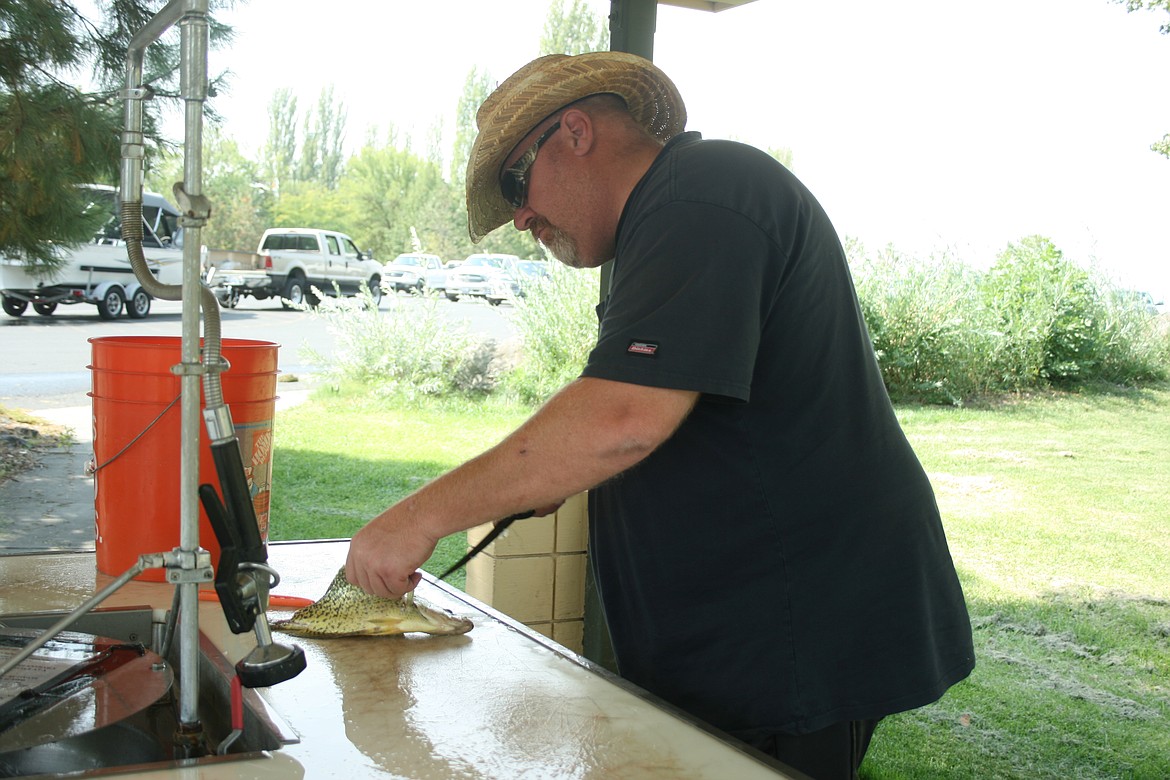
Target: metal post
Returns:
[[631, 29], [631, 26]]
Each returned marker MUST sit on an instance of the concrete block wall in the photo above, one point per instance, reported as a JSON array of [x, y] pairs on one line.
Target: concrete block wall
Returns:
[[535, 572]]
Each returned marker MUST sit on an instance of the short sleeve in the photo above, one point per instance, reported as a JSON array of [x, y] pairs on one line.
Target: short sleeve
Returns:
[[685, 305]]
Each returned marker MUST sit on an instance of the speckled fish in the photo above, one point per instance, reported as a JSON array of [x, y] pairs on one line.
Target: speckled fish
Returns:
[[347, 610]]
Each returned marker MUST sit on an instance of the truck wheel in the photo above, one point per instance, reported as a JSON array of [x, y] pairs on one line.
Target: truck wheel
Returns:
[[13, 307], [452, 297], [44, 309], [139, 305], [294, 292], [376, 290], [111, 304]]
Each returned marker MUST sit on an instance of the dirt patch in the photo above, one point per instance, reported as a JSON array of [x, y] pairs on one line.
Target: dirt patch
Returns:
[[1044, 675], [23, 439], [980, 495]]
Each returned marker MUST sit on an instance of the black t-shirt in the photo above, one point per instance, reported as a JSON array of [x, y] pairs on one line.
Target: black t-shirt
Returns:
[[779, 563]]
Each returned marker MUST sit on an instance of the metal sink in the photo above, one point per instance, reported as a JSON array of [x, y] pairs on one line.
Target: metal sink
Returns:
[[86, 739]]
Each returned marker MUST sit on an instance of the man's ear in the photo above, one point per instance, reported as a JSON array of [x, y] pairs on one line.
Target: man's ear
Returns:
[[579, 127]]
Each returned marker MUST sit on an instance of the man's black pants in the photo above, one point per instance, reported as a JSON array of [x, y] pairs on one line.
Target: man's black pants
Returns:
[[833, 753]]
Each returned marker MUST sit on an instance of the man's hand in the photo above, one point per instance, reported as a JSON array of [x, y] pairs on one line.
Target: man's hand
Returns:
[[385, 555]]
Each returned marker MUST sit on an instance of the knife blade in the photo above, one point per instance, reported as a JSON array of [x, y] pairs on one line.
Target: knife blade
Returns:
[[499, 528]]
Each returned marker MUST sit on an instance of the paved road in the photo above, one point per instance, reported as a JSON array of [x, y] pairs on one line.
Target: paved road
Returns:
[[43, 369], [43, 359]]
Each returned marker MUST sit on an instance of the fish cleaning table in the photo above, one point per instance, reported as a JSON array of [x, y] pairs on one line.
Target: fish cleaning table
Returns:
[[499, 702]]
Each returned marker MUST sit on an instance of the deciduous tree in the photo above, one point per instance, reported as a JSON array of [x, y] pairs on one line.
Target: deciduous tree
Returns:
[[574, 29], [280, 149], [1161, 147], [322, 158], [476, 87]]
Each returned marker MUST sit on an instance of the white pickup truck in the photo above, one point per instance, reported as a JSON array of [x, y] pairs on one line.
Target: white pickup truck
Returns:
[[289, 264], [99, 272]]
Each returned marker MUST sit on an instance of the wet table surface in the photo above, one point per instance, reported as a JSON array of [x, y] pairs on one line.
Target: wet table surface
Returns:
[[498, 702]]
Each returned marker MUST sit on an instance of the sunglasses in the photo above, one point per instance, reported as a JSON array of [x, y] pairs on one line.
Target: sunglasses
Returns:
[[514, 180]]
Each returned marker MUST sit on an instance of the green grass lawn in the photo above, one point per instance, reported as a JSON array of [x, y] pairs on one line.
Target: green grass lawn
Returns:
[[341, 460], [1058, 514]]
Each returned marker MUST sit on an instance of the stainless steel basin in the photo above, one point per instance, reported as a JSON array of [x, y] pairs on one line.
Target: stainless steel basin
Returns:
[[86, 739]]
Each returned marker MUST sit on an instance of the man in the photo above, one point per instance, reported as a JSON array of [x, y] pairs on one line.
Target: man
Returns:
[[767, 547]]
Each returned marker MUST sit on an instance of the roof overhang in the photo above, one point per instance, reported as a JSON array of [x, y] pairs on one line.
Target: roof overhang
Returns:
[[706, 5]]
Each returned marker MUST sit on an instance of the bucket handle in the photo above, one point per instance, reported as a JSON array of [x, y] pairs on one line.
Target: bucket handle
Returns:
[[92, 469]]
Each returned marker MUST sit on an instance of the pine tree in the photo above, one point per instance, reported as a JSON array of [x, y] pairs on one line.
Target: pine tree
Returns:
[[61, 73]]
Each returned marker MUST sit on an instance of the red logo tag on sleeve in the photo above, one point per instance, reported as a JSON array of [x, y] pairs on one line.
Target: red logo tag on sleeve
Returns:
[[644, 348]]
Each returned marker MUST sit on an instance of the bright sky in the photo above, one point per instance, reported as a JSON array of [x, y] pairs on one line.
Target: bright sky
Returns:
[[929, 124]]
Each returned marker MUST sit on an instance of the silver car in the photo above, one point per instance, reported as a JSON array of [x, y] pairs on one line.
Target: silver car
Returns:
[[415, 272], [477, 275], [516, 283]]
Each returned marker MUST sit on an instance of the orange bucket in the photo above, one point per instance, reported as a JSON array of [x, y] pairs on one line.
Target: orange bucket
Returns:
[[136, 437]]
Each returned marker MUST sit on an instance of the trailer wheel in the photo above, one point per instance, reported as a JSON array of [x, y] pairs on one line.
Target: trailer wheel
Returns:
[[139, 304], [111, 304], [44, 309], [13, 307]]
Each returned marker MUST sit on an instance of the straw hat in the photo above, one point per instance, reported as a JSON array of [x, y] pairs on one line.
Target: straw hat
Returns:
[[538, 90]]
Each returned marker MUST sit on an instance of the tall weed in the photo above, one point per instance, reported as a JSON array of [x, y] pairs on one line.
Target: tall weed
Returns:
[[1134, 342]]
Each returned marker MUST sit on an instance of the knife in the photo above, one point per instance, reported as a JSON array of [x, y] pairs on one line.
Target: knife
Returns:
[[500, 527]]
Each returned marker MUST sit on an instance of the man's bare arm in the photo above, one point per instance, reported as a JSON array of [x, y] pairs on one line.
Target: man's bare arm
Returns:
[[590, 431]]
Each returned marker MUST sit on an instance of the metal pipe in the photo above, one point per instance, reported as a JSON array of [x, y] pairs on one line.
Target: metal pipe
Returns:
[[191, 15], [193, 29]]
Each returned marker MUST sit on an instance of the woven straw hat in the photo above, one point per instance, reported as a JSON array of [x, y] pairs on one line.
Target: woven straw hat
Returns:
[[538, 90]]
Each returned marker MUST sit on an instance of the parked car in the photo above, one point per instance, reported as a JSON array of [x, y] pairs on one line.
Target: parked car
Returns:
[[415, 272], [475, 276], [517, 281], [533, 272]]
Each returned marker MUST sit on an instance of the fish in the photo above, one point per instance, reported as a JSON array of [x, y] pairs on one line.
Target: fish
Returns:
[[347, 610]]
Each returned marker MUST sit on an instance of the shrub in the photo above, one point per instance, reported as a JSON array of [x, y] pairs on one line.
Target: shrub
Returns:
[[929, 328], [942, 332], [945, 333], [557, 321], [401, 352], [1049, 314]]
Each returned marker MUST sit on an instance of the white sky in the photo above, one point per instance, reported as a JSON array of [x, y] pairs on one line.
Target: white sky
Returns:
[[928, 124]]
